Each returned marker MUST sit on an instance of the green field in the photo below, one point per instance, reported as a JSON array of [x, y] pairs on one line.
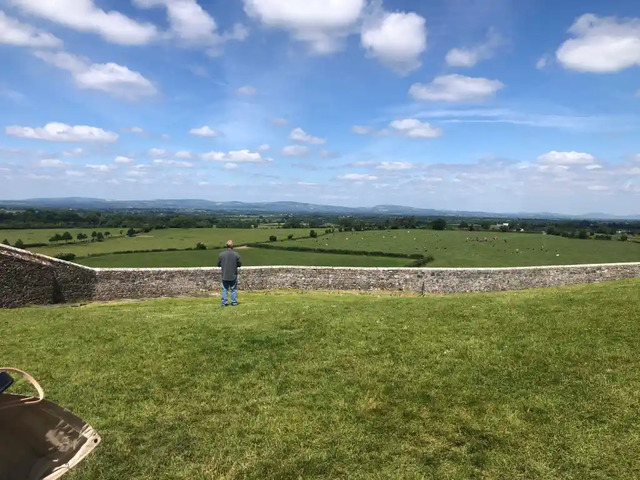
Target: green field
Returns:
[[156, 239], [459, 248], [538, 384], [449, 248], [250, 257]]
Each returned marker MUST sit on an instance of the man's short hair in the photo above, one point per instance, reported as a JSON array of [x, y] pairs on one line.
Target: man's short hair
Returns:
[[229, 243]]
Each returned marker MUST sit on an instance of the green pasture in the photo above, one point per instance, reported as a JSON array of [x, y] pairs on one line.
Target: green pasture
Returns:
[[42, 235], [539, 384], [460, 248], [250, 257], [167, 238]]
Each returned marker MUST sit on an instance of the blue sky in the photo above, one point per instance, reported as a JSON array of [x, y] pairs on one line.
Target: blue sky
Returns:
[[499, 105]]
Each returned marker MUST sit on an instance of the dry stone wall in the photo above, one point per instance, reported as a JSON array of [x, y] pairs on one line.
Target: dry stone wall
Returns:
[[27, 278], [30, 279]]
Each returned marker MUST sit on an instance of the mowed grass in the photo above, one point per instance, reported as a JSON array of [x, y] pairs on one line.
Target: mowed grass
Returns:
[[538, 384], [172, 238], [42, 235], [249, 256], [460, 248]]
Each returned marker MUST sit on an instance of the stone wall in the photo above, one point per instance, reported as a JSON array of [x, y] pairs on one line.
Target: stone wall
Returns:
[[155, 282], [27, 278], [30, 279]]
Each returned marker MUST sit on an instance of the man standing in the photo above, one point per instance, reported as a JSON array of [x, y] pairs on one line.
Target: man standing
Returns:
[[229, 261]]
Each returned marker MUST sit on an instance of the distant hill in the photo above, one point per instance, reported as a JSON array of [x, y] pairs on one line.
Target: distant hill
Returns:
[[82, 203]]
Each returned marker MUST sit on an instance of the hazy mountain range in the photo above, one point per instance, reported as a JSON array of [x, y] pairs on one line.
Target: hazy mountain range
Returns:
[[82, 203]]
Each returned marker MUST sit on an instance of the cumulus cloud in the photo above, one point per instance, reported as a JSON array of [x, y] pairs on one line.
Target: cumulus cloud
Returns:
[[98, 168], [396, 39], [456, 88], [123, 160], [192, 25], [565, 158], [470, 56], [61, 132], [542, 62], [14, 32], [395, 166], [299, 135], [358, 177], [183, 154], [601, 44], [361, 130], [116, 80], [295, 151], [158, 152], [52, 163], [235, 156], [279, 122], [247, 91], [172, 163], [413, 128], [205, 131], [76, 152], [85, 16], [322, 24]]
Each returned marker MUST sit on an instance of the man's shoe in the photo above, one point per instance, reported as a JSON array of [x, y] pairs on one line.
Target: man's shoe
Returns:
[[234, 304]]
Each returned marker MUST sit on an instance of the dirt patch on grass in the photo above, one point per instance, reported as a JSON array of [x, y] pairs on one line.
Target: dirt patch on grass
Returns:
[[242, 247]]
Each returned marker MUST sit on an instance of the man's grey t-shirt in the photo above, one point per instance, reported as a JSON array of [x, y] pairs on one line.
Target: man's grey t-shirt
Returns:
[[229, 261]]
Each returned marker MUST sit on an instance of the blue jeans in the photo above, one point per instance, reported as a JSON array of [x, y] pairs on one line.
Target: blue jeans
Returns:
[[230, 285]]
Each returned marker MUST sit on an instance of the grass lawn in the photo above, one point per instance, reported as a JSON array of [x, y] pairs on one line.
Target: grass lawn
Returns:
[[459, 248], [250, 257], [537, 384], [42, 235], [169, 238]]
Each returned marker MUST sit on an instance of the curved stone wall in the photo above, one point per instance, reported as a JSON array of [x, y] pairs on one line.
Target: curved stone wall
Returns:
[[27, 278]]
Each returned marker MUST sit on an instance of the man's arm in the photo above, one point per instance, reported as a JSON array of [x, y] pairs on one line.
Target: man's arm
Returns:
[[219, 260], [238, 260]]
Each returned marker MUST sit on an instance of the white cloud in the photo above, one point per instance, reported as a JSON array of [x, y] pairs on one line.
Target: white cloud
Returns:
[[85, 16], [205, 131], [135, 130], [52, 163], [173, 163], [157, 152], [361, 130], [230, 166], [295, 151], [235, 156], [396, 39], [74, 173], [247, 90], [542, 62], [264, 147], [469, 57], [593, 167], [456, 88], [192, 25], [61, 132], [76, 152], [14, 32], [412, 128], [394, 166], [98, 168], [565, 158], [322, 24], [183, 154], [601, 44], [116, 80], [358, 177], [299, 135], [123, 160], [280, 122]]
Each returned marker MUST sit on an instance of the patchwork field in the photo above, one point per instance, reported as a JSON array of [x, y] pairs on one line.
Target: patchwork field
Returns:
[[250, 256], [522, 385], [449, 248], [480, 249]]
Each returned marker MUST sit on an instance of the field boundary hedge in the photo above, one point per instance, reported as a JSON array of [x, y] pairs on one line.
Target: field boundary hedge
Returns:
[[344, 251]]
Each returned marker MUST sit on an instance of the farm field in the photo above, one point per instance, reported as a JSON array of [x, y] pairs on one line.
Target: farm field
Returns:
[[250, 257], [156, 239], [460, 248], [535, 384]]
